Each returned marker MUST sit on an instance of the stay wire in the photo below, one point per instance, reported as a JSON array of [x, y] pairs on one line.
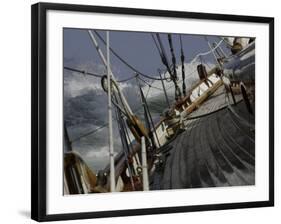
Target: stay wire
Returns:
[[124, 141], [98, 128], [83, 72], [89, 133], [182, 68], [149, 84], [123, 60]]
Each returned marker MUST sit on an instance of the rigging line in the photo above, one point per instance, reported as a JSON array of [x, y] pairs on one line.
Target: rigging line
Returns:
[[90, 133], [127, 134], [93, 74], [226, 42], [130, 142], [147, 83], [165, 61], [219, 54], [154, 87], [147, 92], [164, 90], [128, 113], [163, 56], [154, 40], [82, 72], [164, 72], [180, 41], [123, 60], [213, 50], [147, 123], [178, 91], [148, 117], [173, 55], [125, 80], [205, 53], [188, 75], [170, 87], [156, 105], [182, 68], [117, 106], [98, 128], [190, 72], [222, 51], [125, 145]]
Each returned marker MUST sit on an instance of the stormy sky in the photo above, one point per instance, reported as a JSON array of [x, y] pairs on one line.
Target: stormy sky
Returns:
[[85, 103]]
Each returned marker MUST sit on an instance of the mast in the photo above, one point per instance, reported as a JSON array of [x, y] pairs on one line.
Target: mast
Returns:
[[112, 76], [111, 149], [145, 181]]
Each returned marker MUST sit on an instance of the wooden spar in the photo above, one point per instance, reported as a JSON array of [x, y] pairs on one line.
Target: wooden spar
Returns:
[[110, 139], [145, 181]]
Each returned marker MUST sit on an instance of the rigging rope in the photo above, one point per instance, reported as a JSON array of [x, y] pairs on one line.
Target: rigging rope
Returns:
[[218, 53], [150, 85], [173, 55], [89, 133], [97, 129], [226, 42], [124, 61], [178, 91], [205, 53], [148, 118], [149, 77], [98, 76], [124, 141], [182, 69], [155, 42], [93, 74], [82, 72], [147, 91], [163, 55], [165, 61], [130, 78]]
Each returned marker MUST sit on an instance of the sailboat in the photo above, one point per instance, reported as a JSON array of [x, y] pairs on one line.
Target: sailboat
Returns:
[[205, 137]]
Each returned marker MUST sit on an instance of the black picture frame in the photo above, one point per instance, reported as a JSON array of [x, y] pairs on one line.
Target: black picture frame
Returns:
[[39, 122]]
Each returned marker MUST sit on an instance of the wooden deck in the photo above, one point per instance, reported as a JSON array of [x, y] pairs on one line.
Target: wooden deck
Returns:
[[214, 150]]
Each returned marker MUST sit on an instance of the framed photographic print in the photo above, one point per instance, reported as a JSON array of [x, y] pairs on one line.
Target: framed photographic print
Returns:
[[138, 111]]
